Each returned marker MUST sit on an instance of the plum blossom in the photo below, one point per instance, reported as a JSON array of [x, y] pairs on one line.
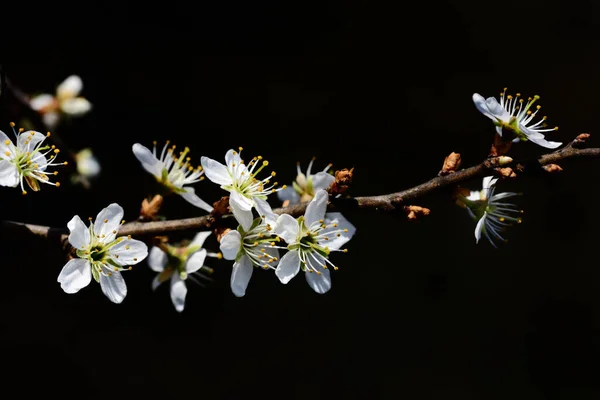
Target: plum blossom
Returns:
[[513, 114], [26, 161], [306, 185], [179, 264], [173, 171], [239, 179], [491, 214], [311, 238], [252, 244], [66, 102], [101, 254]]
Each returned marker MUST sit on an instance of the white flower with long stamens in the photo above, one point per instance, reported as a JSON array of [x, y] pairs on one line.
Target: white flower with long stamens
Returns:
[[239, 179], [513, 114], [180, 263], [306, 185], [252, 244], [26, 161], [310, 240], [66, 102], [173, 171], [101, 254], [492, 214]]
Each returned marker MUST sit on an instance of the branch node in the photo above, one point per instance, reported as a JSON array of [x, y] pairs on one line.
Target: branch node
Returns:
[[149, 209]]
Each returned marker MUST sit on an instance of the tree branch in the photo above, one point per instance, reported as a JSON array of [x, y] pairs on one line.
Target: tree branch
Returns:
[[386, 202]]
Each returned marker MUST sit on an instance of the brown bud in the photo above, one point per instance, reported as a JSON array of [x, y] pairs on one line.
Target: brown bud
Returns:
[[343, 179], [220, 207], [220, 231], [506, 172], [150, 209], [285, 203], [499, 147], [451, 164], [414, 212], [552, 168], [582, 137]]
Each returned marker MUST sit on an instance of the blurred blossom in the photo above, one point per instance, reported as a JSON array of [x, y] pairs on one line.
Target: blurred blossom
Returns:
[[66, 102], [87, 164]]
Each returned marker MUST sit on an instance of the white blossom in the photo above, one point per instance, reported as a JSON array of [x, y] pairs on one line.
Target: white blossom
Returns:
[[173, 171], [252, 244], [179, 264], [306, 185], [66, 101], [101, 254], [311, 238], [239, 179], [87, 164], [27, 160], [516, 116], [492, 214]]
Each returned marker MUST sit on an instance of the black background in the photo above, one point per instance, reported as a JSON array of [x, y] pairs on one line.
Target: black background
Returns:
[[417, 310]]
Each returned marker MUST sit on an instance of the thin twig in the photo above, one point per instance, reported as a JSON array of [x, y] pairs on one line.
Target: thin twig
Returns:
[[386, 202]]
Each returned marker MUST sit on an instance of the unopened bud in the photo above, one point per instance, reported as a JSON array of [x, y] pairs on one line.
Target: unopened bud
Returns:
[[506, 172], [552, 168], [451, 164], [414, 212], [503, 160]]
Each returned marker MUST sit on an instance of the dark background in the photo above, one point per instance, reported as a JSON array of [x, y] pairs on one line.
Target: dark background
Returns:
[[416, 311]]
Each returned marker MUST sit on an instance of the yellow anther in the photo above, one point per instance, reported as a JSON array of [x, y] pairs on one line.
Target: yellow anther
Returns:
[[129, 268], [12, 124], [7, 142], [122, 221], [7, 153], [55, 172], [240, 148], [135, 259], [105, 221], [57, 151], [65, 163], [346, 230], [57, 184], [114, 232], [21, 130], [320, 221], [345, 250], [116, 269], [126, 247], [335, 268], [265, 163], [219, 255], [24, 192], [284, 187], [273, 173], [318, 272], [128, 237]]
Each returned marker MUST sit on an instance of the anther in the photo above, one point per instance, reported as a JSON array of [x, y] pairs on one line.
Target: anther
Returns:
[[12, 124], [105, 221], [57, 184]]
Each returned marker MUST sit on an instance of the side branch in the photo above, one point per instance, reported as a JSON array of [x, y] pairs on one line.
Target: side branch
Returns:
[[386, 202]]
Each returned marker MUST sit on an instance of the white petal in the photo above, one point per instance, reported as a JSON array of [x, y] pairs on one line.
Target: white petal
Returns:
[[490, 108], [148, 160], [322, 180], [335, 242], [178, 292], [287, 228], [266, 212], [196, 261], [243, 217], [288, 267], [113, 287], [288, 194], [544, 143], [191, 197], [315, 211], [157, 281], [79, 236], [9, 175], [51, 119], [479, 227], [199, 239], [41, 101], [70, 87], [231, 244], [128, 252], [75, 275], [28, 140], [108, 221], [240, 276], [232, 159], [157, 259], [215, 171], [319, 283], [240, 201], [76, 107]]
